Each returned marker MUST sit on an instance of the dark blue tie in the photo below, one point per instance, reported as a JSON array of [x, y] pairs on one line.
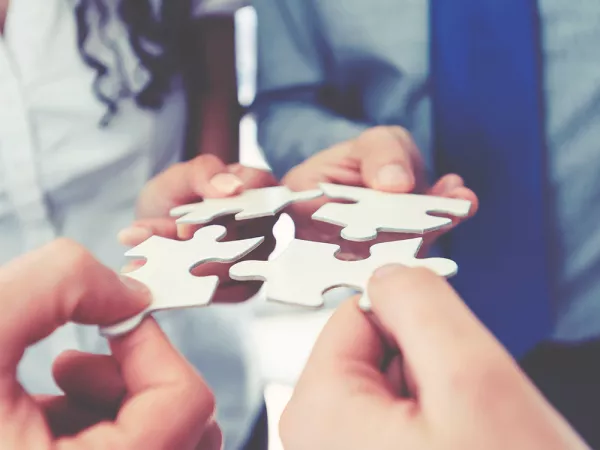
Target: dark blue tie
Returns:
[[488, 121]]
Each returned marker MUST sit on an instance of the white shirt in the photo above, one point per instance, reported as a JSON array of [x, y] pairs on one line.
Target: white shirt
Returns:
[[63, 175]]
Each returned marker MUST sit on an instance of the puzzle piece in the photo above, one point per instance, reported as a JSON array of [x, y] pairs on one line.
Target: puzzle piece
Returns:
[[167, 271], [377, 211], [250, 204], [306, 270]]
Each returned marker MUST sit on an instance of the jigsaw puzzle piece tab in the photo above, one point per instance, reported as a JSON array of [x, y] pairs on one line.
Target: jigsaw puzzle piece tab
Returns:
[[193, 293], [391, 253], [298, 276], [388, 253], [250, 204], [375, 211], [167, 271], [344, 215], [306, 270]]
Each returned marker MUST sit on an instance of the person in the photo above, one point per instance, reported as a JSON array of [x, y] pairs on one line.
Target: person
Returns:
[[432, 91], [448, 383], [92, 139], [119, 400]]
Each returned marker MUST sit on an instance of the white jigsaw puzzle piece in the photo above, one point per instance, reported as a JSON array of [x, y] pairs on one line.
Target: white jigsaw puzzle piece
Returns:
[[250, 204], [306, 270], [377, 211], [167, 271]]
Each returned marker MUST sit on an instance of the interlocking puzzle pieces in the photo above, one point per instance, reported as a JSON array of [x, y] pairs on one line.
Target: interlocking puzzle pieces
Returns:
[[167, 271], [306, 270], [376, 211], [250, 204]]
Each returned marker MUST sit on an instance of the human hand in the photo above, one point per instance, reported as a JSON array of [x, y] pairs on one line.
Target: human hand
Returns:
[[203, 177], [124, 400], [382, 158], [454, 386]]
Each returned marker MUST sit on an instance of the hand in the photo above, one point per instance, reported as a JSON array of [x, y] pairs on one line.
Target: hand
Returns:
[[203, 177], [382, 158], [117, 401], [454, 386]]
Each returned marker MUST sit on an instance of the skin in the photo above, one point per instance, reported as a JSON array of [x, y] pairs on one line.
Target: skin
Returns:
[[205, 176], [110, 401], [383, 158], [3, 11], [450, 386]]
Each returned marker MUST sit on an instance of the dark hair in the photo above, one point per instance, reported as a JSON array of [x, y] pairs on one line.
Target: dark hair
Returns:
[[155, 37]]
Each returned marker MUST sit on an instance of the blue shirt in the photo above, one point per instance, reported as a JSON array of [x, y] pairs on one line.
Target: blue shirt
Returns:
[[329, 69]]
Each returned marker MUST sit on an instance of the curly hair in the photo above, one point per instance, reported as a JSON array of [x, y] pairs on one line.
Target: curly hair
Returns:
[[155, 37]]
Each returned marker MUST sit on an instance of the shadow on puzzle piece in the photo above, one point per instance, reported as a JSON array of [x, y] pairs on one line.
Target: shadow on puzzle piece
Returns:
[[250, 204], [167, 271], [376, 211], [306, 270]]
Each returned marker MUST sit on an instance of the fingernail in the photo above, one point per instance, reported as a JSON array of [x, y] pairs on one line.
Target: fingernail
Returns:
[[134, 235], [226, 183], [393, 175], [137, 287], [132, 265], [386, 271], [452, 183]]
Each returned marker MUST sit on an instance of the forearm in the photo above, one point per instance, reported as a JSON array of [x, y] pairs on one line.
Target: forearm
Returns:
[[291, 132], [214, 96], [218, 119]]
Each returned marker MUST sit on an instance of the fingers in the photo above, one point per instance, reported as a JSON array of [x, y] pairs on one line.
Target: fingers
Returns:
[[67, 418], [389, 159], [446, 184], [348, 338], [252, 178], [161, 384], [437, 334], [142, 229], [95, 389], [453, 186], [70, 285], [91, 380], [342, 395], [212, 439], [204, 176], [342, 374]]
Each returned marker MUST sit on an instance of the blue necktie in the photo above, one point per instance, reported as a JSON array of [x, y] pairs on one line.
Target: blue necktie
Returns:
[[488, 122]]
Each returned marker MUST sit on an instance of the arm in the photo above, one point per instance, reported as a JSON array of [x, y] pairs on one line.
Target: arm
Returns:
[[293, 124], [214, 108]]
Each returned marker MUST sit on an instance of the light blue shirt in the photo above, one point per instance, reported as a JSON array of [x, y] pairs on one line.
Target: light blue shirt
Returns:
[[63, 175], [329, 69]]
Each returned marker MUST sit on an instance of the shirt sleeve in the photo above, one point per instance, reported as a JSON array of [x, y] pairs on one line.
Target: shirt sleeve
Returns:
[[292, 123]]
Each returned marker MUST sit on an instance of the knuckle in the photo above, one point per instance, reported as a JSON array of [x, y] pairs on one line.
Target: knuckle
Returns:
[[72, 255], [74, 265], [200, 396]]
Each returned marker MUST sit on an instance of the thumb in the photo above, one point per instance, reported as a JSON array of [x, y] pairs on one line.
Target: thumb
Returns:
[[186, 182], [70, 286], [389, 159], [439, 337]]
